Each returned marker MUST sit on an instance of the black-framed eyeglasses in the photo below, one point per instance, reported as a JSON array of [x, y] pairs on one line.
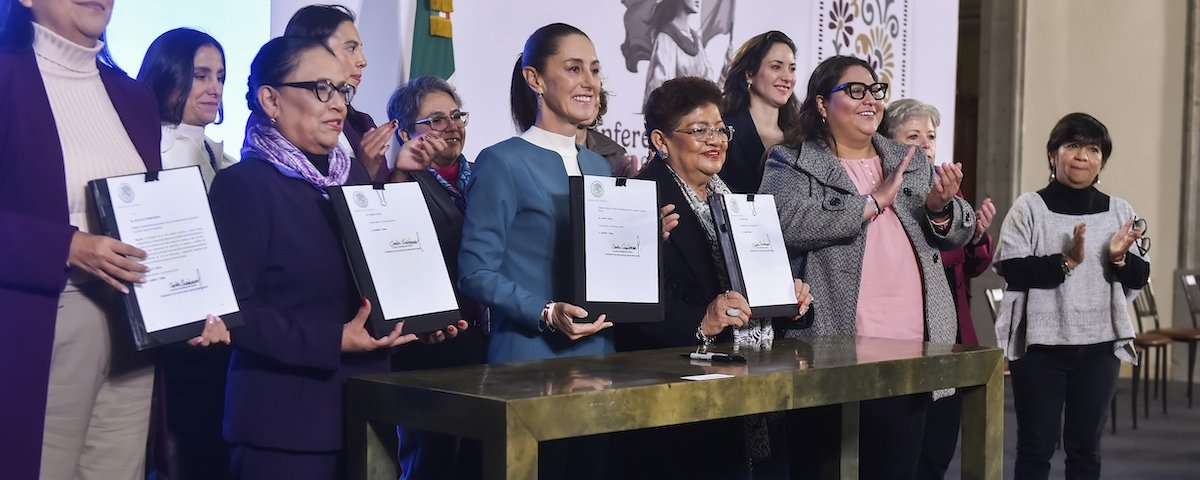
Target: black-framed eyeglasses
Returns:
[[858, 90], [323, 89], [1143, 242], [704, 134], [441, 122]]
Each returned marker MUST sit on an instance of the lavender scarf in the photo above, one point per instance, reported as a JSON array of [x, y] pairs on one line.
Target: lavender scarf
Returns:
[[264, 141]]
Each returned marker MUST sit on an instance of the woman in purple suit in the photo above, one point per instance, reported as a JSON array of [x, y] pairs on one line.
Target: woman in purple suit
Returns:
[[70, 376]]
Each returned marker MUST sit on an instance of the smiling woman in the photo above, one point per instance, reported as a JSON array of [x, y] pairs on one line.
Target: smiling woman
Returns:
[[760, 102], [186, 70]]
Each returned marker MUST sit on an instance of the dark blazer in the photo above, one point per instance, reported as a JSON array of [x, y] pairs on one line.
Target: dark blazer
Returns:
[[35, 237], [743, 169], [516, 248], [689, 275], [468, 348], [295, 289]]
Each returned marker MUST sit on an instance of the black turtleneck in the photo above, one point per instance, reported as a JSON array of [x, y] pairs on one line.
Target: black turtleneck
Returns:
[[321, 161], [1046, 272]]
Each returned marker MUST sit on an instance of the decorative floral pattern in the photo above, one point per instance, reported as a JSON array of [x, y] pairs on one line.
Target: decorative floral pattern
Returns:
[[874, 30]]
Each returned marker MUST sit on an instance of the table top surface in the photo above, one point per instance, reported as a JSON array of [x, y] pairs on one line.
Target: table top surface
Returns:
[[665, 367]]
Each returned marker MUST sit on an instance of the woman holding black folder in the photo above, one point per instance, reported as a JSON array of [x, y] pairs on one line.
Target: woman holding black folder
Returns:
[[689, 138], [304, 332]]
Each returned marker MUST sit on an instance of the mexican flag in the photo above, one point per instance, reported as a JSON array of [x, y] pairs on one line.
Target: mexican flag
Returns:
[[432, 47]]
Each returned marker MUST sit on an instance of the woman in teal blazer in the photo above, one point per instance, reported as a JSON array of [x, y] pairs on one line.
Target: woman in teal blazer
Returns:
[[516, 248]]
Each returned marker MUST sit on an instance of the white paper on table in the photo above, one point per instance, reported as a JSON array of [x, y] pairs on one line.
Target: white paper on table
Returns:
[[706, 376], [401, 248], [170, 219], [758, 239], [621, 225]]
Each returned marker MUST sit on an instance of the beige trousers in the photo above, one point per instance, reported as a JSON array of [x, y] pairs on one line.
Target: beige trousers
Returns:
[[98, 406]]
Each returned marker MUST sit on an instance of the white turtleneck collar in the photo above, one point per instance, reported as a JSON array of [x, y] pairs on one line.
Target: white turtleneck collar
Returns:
[[62, 56], [563, 145], [183, 130]]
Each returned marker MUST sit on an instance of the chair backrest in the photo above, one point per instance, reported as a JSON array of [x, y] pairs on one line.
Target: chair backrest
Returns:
[[1144, 306], [1191, 291], [995, 296]]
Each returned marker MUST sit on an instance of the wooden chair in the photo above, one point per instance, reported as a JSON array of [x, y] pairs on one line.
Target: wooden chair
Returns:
[[1149, 342], [1191, 336]]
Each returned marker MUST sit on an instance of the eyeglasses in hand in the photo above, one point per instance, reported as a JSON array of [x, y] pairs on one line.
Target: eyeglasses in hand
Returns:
[[1143, 242], [858, 90]]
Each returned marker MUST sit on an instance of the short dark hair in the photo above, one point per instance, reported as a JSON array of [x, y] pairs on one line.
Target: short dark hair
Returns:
[[16, 32], [274, 61], [405, 102], [674, 99], [168, 68], [746, 63], [811, 126], [1083, 129], [540, 46], [318, 22]]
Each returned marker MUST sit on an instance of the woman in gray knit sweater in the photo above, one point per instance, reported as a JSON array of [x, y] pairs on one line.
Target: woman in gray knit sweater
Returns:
[[1068, 241]]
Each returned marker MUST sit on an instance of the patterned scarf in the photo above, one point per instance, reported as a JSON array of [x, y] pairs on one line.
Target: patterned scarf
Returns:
[[758, 332], [264, 141], [459, 186]]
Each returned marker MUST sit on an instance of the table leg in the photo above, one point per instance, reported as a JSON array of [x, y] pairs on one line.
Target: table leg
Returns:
[[510, 455], [356, 444], [983, 428], [844, 466]]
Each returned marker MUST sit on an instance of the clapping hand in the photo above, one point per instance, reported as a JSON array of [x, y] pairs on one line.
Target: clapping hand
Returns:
[[946, 182], [1119, 245], [1075, 253], [375, 145], [983, 219], [885, 193]]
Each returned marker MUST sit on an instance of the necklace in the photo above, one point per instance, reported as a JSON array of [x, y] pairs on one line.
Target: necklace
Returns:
[[70, 69]]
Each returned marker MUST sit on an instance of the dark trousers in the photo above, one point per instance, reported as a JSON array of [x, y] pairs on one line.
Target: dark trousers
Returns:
[[890, 433], [435, 456], [194, 379], [943, 421], [1050, 382], [248, 462]]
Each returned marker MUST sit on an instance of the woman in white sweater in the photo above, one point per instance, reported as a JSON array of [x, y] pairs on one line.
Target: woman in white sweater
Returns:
[[186, 70], [1065, 253]]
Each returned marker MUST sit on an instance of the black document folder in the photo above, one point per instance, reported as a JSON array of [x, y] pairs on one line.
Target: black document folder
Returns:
[[649, 307], [408, 239], [176, 278], [733, 264]]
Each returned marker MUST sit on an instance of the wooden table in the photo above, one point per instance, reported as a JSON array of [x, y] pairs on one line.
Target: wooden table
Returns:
[[512, 407]]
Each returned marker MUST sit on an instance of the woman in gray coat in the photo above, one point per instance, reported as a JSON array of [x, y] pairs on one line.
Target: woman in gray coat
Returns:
[[867, 218]]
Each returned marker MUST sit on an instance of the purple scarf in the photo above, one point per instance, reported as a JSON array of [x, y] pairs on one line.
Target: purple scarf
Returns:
[[264, 141]]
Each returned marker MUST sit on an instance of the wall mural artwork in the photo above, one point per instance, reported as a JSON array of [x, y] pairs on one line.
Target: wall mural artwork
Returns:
[[874, 30]]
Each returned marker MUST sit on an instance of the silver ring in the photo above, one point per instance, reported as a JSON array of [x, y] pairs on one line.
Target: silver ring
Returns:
[[733, 312]]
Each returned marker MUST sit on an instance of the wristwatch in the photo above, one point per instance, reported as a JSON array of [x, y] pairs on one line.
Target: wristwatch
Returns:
[[1066, 267]]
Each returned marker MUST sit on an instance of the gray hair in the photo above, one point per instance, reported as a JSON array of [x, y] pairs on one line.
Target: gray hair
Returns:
[[405, 102], [905, 109]]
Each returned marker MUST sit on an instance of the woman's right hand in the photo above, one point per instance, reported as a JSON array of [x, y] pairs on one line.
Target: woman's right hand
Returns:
[[356, 338], [562, 318], [717, 317], [105, 257], [886, 192], [1075, 254]]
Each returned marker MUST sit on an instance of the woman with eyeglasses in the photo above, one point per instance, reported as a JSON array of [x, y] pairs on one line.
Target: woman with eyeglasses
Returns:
[[872, 216], [913, 122], [430, 106], [333, 25], [760, 102], [689, 140], [1065, 252], [305, 330]]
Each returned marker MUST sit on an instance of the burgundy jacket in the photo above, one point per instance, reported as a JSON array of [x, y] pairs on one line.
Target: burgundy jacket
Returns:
[[963, 264], [35, 238]]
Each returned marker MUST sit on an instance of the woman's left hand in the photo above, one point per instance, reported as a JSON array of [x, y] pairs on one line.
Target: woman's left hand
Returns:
[[670, 220], [804, 298], [447, 333], [1119, 245], [214, 332], [945, 185], [419, 151], [375, 145]]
